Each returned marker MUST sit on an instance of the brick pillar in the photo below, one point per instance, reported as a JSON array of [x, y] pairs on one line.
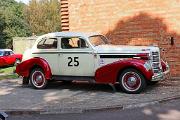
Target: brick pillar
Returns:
[[64, 15]]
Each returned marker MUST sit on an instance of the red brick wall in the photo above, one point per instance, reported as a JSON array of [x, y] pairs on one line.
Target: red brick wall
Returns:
[[131, 22]]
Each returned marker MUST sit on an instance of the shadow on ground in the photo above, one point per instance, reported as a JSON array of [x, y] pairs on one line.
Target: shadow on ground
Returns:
[[76, 86]]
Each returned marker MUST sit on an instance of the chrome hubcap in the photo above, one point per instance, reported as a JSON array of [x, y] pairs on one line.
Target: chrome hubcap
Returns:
[[38, 79], [131, 81]]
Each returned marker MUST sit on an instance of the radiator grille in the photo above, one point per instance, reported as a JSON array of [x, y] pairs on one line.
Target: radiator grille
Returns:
[[155, 62]]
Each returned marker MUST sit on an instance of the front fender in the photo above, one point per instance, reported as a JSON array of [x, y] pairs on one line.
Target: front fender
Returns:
[[110, 72], [24, 68], [19, 56]]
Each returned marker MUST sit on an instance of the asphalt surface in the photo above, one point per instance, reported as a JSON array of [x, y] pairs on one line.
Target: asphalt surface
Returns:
[[79, 97], [164, 111]]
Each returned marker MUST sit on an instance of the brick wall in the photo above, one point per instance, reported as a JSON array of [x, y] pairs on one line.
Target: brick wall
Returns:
[[131, 22]]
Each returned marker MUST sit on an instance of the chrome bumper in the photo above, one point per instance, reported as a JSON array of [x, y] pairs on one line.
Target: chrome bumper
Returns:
[[160, 76]]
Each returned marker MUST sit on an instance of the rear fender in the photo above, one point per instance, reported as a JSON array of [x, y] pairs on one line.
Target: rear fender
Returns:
[[24, 68], [110, 72]]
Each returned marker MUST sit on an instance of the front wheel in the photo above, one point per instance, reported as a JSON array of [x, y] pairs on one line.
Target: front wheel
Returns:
[[37, 79], [132, 81]]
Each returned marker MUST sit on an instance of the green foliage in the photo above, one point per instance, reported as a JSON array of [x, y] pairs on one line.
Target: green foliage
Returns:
[[12, 22], [2, 34], [7, 70], [20, 20], [7, 73], [43, 16]]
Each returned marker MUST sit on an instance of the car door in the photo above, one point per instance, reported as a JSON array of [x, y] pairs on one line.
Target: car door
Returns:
[[8, 58], [76, 58], [12, 57], [47, 49], [2, 62]]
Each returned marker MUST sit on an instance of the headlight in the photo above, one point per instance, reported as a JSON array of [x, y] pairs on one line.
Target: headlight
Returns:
[[148, 66]]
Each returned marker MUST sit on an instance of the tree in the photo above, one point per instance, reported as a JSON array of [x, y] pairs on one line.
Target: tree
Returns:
[[43, 16], [2, 34], [12, 22]]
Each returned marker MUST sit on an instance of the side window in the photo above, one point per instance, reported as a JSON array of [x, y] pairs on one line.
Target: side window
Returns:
[[1, 53], [75, 42], [81, 43], [65, 43], [50, 43], [11, 53], [6, 53]]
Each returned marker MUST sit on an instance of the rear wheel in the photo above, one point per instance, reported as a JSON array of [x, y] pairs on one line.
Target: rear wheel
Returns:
[[37, 79], [132, 81]]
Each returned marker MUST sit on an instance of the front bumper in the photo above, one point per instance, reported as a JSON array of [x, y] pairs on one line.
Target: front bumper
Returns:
[[158, 77], [161, 75]]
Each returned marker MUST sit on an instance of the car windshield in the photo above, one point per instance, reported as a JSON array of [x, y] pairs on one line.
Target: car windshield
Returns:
[[98, 40], [1, 53]]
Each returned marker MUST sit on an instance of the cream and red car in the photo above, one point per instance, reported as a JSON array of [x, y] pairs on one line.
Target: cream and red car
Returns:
[[71, 56]]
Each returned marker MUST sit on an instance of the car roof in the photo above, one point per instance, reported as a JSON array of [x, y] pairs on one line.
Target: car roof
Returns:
[[5, 50], [71, 34], [66, 34]]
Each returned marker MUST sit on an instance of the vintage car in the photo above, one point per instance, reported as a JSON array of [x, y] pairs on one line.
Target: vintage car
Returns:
[[68, 56], [8, 57]]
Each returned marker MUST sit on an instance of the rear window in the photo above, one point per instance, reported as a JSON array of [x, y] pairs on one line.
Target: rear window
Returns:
[[50, 43]]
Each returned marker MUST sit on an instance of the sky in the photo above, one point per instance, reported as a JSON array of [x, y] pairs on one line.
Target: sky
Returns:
[[24, 1]]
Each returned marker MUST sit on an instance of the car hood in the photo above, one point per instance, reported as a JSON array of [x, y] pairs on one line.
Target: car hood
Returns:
[[125, 49]]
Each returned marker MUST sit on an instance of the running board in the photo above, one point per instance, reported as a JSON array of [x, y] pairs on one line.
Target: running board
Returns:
[[70, 78]]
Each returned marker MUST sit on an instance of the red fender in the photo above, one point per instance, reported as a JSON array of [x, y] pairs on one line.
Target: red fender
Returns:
[[24, 68], [2, 62], [109, 72]]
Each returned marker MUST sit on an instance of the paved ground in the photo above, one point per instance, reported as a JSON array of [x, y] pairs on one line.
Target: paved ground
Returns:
[[165, 111], [78, 97]]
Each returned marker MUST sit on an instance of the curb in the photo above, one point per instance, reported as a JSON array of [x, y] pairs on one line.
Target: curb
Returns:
[[152, 103], [84, 110], [22, 112]]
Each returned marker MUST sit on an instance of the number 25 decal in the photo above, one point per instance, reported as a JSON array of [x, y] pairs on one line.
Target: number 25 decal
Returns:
[[73, 60]]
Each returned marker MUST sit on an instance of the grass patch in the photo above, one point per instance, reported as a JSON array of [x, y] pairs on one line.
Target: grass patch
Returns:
[[7, 73], [12, 76], [7, 70]]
